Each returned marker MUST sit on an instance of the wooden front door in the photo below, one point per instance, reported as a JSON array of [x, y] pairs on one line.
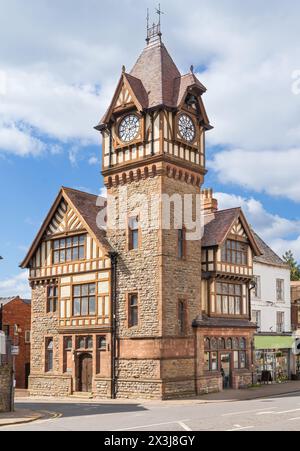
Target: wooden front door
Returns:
[[86, 373]]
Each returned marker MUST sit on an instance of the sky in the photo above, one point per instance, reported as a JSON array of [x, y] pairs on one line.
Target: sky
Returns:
[[60, 62]]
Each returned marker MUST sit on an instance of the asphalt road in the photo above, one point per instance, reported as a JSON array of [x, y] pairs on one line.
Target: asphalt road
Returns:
[[272, 414]]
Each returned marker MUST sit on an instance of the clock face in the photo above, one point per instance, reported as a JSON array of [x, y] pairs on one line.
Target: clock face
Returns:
[[129, 128], [186, 128]]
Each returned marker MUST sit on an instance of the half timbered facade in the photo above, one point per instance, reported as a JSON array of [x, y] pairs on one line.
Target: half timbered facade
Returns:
[[139, 310]]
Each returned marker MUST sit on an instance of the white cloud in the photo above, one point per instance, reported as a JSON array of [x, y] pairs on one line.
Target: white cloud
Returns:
[[275, 173], [19, 141], [280, 233], [94, 161], [16, 286]]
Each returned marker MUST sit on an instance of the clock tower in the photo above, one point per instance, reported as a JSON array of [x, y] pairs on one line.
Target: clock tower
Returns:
[[153, 167]]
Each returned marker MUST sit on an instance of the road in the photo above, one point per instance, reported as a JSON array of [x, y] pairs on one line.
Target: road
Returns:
[[272, 414]]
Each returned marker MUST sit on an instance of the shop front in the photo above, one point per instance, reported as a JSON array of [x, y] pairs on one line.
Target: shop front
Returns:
[[273, 358]]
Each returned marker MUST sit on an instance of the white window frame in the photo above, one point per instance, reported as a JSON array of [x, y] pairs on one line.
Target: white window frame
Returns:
[[257, 290], [280, 327], [256, 318]]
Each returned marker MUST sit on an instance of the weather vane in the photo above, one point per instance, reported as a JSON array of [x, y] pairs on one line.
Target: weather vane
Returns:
[[154, 31]]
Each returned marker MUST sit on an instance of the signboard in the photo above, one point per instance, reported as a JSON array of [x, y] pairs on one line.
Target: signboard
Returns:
[[2, 343], [15, 350], [274, 342]]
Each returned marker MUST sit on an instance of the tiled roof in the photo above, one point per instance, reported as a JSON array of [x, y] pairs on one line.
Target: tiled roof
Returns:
[[268, 255], [157, 72], [86, 204], [5, 301], [218, 225], [223, 322]]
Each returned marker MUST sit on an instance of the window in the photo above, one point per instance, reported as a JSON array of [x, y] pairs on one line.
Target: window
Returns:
[[229, 299], [256, 318], [68, 343], [52, 299], [280, 322], [69, 249], [257, 289], [49, 355], [85, 343], [133, 233], [133, 310], [181, 317], [235, 252], [27, 336], [280, 290], [181, 244], [102, 343], [211, 361], [84, 300]]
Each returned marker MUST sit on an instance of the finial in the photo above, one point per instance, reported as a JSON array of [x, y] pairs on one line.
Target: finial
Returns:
[[123, 69], [159, 12], [192, 69]]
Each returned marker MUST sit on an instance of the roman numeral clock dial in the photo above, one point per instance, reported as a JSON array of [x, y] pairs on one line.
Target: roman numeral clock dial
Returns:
[[129, 128], [186, 128]]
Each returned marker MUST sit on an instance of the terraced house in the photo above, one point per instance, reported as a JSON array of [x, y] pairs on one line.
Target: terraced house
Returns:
[[141, 310]]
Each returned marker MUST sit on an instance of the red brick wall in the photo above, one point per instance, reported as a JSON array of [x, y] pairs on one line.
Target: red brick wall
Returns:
[[17, 312]]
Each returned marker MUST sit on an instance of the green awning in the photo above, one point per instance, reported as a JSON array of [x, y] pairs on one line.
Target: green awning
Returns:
[[274, 342]]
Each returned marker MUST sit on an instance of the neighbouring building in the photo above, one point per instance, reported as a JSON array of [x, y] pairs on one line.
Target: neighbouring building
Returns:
[[295, 298], [271, 311], [136, 309], [15, 320]]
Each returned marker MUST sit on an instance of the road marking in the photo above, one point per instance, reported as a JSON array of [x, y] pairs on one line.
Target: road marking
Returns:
[[184, 426], [245, 411], [239, 428], [266, 413], [150, 425], [294, 419], [287, 411]]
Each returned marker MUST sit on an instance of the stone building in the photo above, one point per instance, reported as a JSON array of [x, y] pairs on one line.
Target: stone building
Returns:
[[15, 321], [122, 309]]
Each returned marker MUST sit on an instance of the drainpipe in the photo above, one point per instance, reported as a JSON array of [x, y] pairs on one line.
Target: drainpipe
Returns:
[[114, 262]]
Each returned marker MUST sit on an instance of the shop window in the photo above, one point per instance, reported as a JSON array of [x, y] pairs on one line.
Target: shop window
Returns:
[[221, 343], [207, 343], [236, 361], [243, 343], [214, 361], [207, 361], [229, 344], [243, 359]]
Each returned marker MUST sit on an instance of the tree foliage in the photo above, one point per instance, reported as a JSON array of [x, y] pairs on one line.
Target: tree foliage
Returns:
[[293, 264]]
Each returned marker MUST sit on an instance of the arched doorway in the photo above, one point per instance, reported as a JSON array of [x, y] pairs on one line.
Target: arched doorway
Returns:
[[85, 373]]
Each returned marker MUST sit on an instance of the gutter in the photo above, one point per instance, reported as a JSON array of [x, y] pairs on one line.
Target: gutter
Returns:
[[114, 262]]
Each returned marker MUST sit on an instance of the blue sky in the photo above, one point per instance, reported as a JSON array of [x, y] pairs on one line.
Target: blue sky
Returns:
[[59, 68]]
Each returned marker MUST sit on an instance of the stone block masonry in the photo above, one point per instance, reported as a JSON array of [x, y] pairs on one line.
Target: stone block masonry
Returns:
[[5, 388]]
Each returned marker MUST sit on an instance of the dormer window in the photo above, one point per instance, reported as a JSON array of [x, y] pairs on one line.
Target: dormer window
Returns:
[[235, 252], [69, 249]]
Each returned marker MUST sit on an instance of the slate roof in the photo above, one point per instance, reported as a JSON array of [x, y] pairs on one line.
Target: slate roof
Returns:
[[156, 81], [268, 255], [216, 230], [86, 206]]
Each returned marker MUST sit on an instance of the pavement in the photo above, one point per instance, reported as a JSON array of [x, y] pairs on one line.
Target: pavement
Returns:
[[271, 407]]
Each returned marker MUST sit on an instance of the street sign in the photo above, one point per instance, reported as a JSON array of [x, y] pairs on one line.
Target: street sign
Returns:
[[15, 350]]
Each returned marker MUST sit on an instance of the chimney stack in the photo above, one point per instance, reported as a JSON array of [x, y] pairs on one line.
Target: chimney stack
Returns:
[[210, 204]]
